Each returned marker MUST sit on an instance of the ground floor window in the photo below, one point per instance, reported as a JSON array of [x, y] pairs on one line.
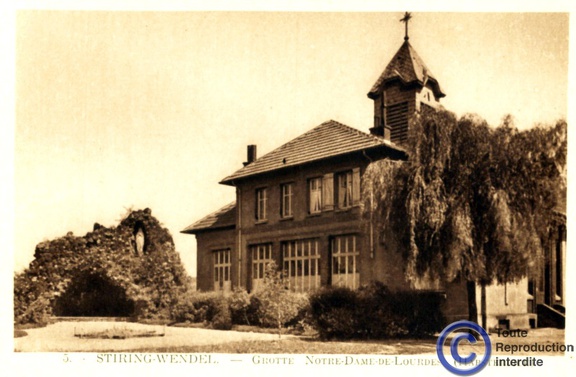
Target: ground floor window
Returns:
[[301, 264], [345, 251], [222, 266], [261, 255]]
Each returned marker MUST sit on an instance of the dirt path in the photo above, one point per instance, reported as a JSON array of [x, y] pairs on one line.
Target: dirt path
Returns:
[[59, 337]]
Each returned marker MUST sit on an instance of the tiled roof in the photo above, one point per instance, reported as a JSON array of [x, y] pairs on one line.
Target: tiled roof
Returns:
[[407, 66], [222, 218], [326, 140]]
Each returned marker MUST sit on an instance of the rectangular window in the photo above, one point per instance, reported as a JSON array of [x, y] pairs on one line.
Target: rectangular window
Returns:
[[345, 258], [345, 189], [261, 202], [261, 255], [222, 266], [301, 264], [286, 204], [315, 195]]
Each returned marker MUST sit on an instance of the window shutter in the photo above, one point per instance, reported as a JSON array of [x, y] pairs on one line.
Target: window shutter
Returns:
[[328, 192], [356, 186]]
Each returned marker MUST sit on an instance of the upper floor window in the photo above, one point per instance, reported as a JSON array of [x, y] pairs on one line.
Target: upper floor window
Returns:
[[287, 192], [345, 189], [341, 190], [348, 188], [315, 195], [261, 202]]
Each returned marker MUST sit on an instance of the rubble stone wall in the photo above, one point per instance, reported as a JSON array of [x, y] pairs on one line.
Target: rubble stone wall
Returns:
[[67, 270]]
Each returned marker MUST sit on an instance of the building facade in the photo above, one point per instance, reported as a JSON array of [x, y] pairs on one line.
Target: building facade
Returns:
[[299, 206]]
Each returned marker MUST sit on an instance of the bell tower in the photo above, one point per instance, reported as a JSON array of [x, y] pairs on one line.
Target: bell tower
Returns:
[[405, 86]]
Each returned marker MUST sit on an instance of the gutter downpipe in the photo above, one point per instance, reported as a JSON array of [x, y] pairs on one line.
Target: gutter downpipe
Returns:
[[239, 222]]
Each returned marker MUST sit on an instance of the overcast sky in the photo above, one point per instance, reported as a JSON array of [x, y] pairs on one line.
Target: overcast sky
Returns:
[[152, 109]]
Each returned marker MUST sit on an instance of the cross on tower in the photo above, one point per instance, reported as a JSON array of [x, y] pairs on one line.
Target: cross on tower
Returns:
[[405, 19]]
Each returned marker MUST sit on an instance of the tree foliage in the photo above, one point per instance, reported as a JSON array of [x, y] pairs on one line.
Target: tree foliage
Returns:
[[277, 305], [471, 200]]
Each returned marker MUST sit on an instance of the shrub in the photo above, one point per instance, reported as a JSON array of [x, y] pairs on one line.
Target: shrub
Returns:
[[199, 307], [243, 307], [254, 310], [271, 306], [38, 313], [221, 320], [302, 303], [373, 312], [183, 309], [285, 310], [334, 313], [421, 311], [275, 304]]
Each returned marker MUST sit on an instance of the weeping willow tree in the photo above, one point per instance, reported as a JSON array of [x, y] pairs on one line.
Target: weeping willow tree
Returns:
[[471, 201]]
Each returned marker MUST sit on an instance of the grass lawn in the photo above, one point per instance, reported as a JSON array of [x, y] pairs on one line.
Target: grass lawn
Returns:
[[310, 346], [118, 333], [198, 339], [19, 333]]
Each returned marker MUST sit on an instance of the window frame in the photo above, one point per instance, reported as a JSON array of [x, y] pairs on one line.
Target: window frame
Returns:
[[287, 200], [261, 204], [260, 255], [315, 196], [345, 192], [222, 269], [345, 253], [301, 263]]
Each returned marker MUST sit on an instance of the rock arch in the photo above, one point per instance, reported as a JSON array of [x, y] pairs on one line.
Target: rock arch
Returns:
[[93, 294], [100, 274]]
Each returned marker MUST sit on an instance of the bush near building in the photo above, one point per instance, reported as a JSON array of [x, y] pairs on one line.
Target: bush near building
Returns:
[[209, 308], [272, 306], [374, 312]]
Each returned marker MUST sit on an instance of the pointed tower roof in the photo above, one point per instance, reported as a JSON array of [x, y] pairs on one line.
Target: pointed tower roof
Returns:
[[409, 68]]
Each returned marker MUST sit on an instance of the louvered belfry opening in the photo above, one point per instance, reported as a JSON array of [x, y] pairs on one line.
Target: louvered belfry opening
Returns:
[[397, 120]]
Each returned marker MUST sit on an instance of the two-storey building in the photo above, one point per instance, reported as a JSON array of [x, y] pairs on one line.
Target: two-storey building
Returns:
[[299, 206]]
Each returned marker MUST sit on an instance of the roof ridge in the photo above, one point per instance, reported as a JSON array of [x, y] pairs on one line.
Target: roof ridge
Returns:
[[359, 132], [328, 139], [321, 125], [297, 138]]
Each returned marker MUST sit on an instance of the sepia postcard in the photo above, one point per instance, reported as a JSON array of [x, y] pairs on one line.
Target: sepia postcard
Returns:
[[285, 188]]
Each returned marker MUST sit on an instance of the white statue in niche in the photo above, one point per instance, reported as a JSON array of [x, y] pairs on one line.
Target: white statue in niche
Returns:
[[140, 242]]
